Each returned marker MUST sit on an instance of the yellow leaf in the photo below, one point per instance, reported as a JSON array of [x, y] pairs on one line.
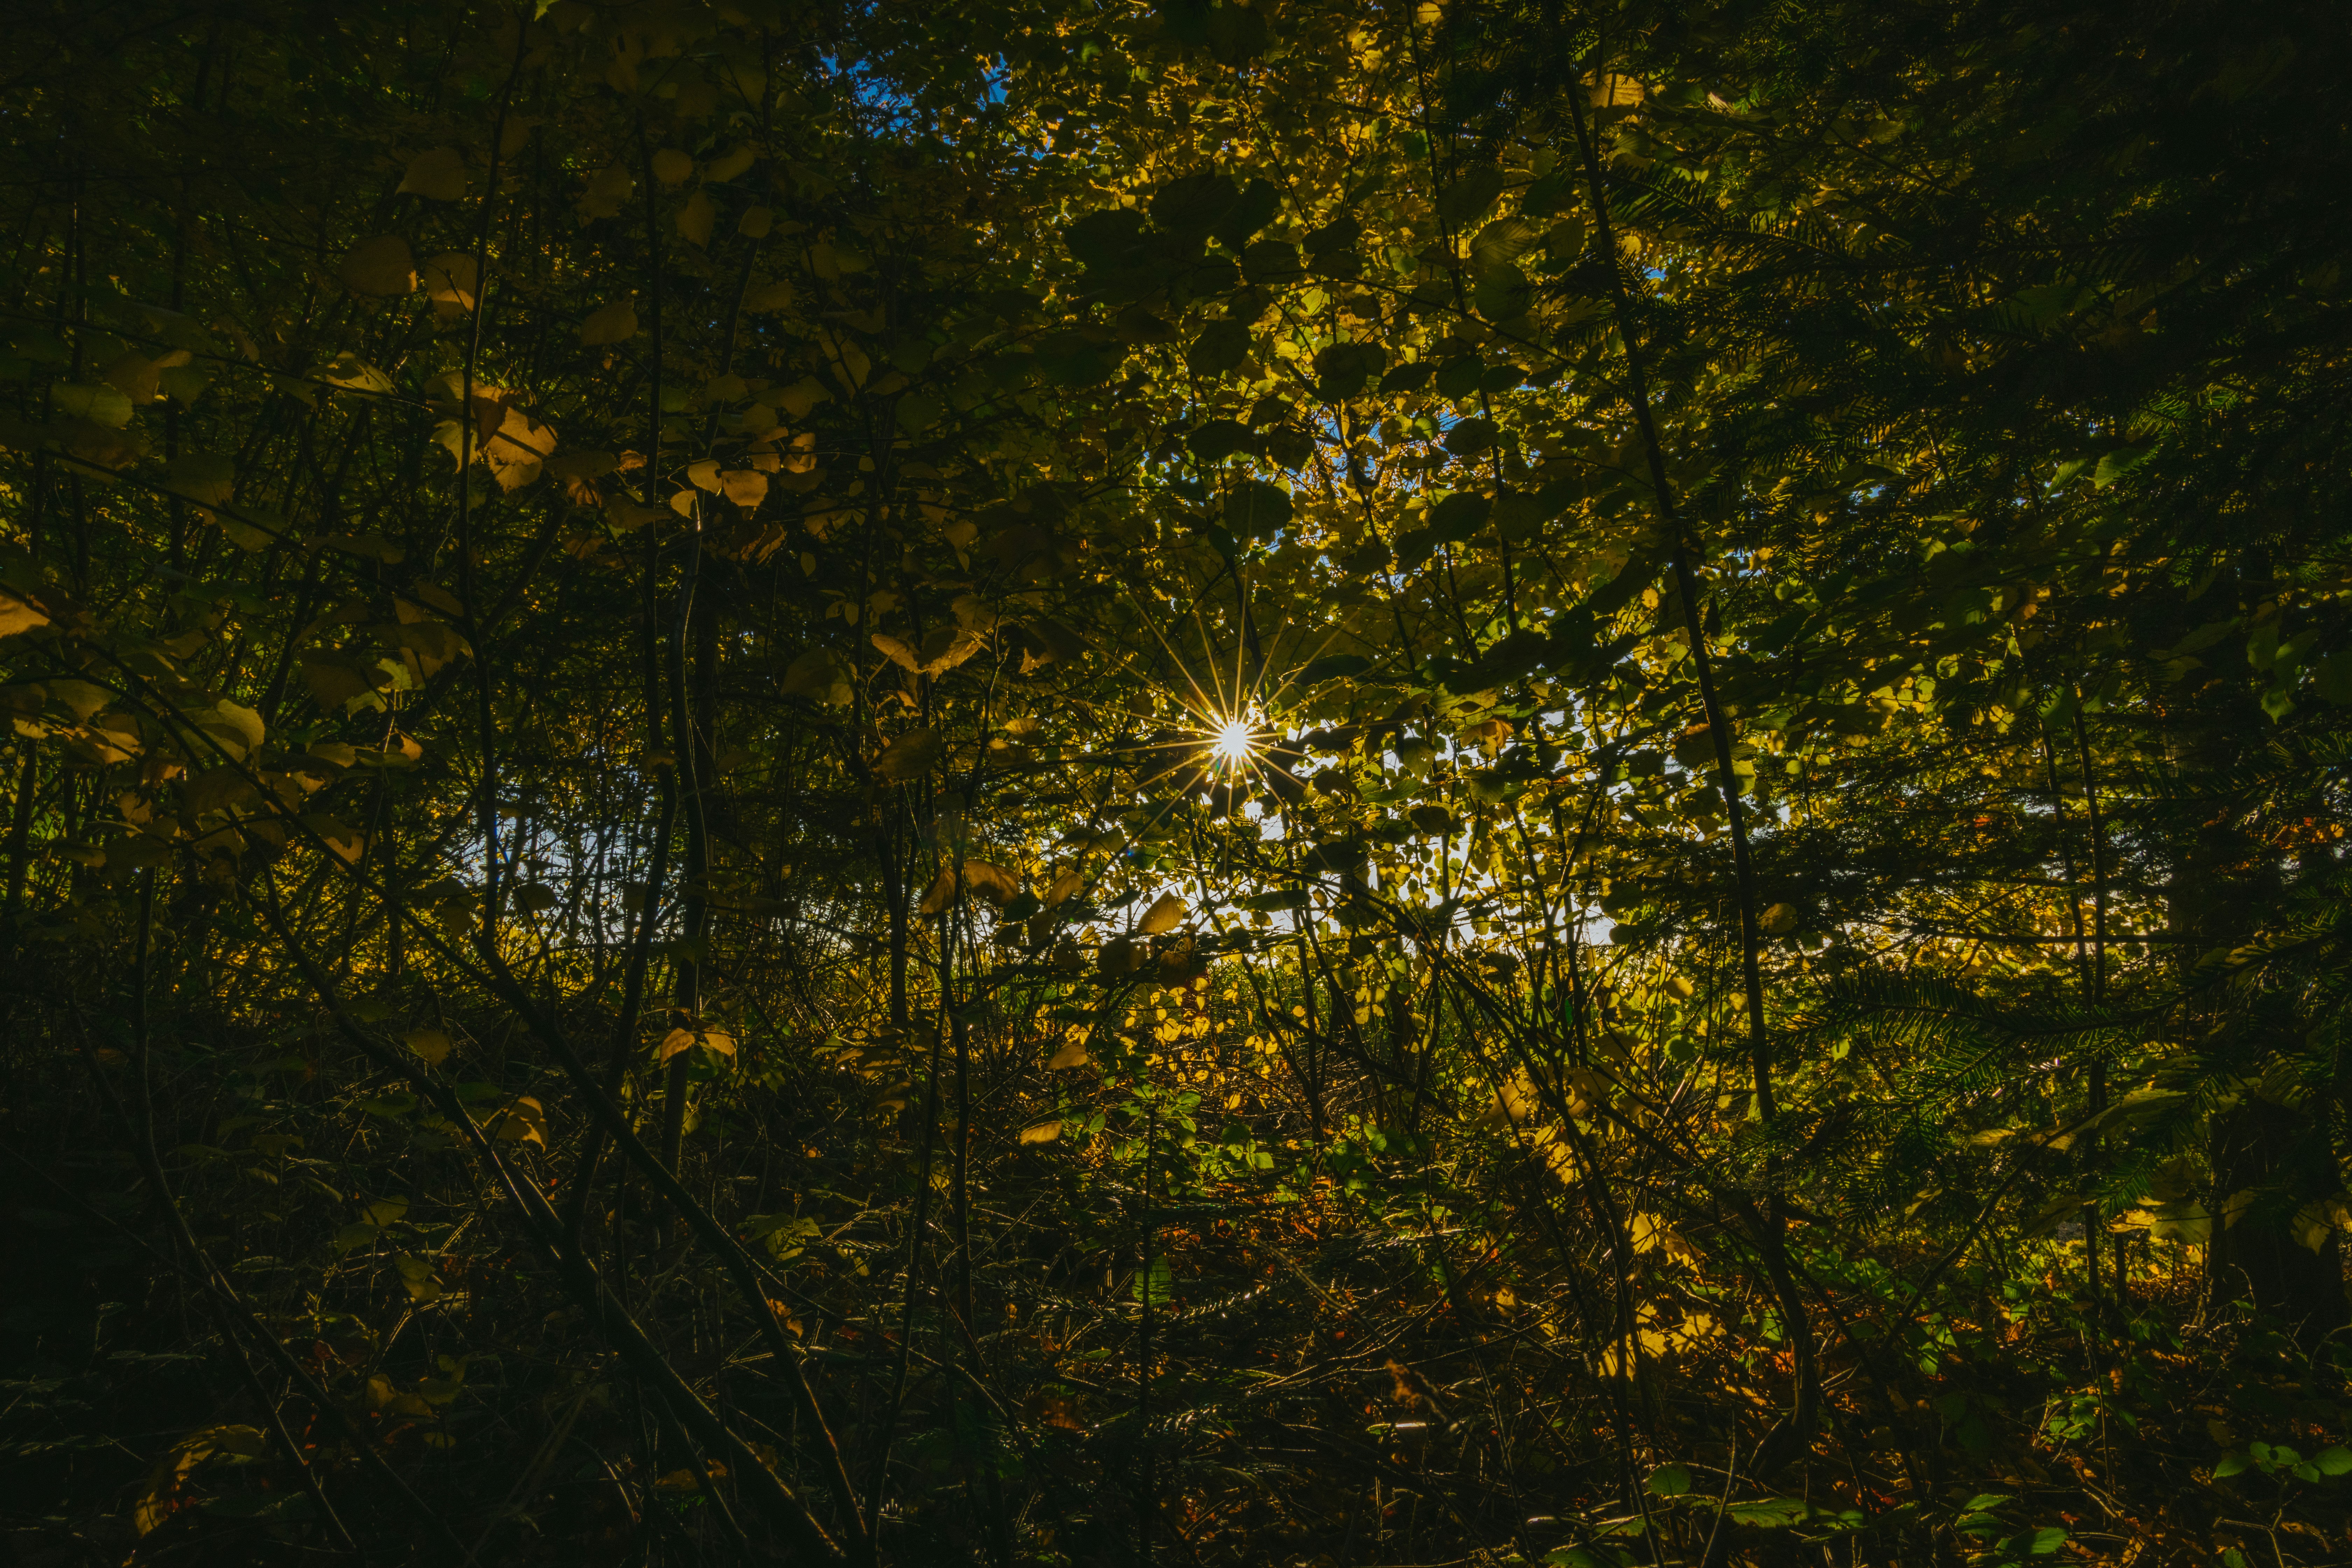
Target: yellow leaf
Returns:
[[1777, 920], [452, 280], [775, 295], [336, 682], [237, 728], [1165, 915], [849, 359], [991, 881], [1072, 1055], [416, 1279], [703, 475], [437, 175], [674, 1042], [202, 477], [909, 756], [613, 323], [672, 167], [1065, 887], [342, 840], [96, 402], [1650, 1233], [755, 223], [524, 1121], [516, 131], [695, 218], [608, 189], [940, 894], [728, 166], [431, 1044], [84, 699], [163, 1480], [19, 615], [514, 448], [347, 370], [1043, 1132], [382, 266], [745, 486], [385, 1211], [132, 375]]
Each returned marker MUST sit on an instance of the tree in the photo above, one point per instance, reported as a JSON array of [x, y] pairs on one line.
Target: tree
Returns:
[[909, 784]]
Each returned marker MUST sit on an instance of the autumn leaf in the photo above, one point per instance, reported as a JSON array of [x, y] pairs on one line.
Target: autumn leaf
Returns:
[[380, 266], [696, 217], [437, 175], [613, 323], [431, 1047], [451, 280], [909, 756], [19, 614], [1166, 913]]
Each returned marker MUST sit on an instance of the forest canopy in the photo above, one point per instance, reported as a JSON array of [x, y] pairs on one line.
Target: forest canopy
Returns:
[[1084, 783]]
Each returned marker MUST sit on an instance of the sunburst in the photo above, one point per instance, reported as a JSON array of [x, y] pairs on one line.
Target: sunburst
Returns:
[[1228, 731]]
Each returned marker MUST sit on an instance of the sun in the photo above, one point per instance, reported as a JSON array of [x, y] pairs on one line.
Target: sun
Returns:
[[1234, 741]]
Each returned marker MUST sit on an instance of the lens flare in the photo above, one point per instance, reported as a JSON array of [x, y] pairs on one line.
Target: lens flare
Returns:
[[1234, 741]]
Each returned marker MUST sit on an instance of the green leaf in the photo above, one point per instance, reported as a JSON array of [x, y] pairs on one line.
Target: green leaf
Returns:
[[2334, 678], [909, 756], [1251, 210], [1502, 242], [1460, 377], [1273, 262], [1503, 293], [820, 675], [1221, 346], [1670, 1480], [1254, 509], [205, 477], [1343, 370], [1472, 437], [1237, 33], [1194, 205], [918, 412], [1288, 446], [1072, 359], [2121, 461], [1334, 667], [1219, 439], [2334, 1461], [1466, 201], [1107, 239], [1457, 516], [2231, 1464], [100, 405], [1767, 1513]]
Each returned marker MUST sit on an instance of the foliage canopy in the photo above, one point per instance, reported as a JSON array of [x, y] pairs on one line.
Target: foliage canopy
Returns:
[[1304, 783]]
